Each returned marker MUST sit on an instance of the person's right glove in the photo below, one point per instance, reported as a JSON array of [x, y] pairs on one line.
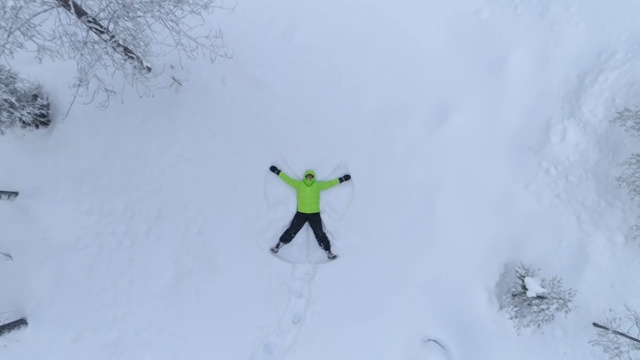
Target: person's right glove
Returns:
[[274, 170]]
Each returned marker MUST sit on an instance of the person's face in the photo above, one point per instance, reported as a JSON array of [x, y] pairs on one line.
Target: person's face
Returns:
[[309, 176]]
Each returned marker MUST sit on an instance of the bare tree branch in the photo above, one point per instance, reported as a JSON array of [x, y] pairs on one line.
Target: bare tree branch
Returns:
[[137, 33], [615, 332], [615, 335], [104, 34]]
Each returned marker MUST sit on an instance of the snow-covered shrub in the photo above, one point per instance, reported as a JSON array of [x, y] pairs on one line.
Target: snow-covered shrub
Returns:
[[532, 302], [629, 179], [629, 120], [619, 335], [22, 102]]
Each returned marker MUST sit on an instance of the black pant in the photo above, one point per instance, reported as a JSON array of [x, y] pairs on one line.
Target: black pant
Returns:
[[315, 221]]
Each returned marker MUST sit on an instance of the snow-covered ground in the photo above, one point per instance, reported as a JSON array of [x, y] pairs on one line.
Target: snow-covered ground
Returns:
[[477, 134]]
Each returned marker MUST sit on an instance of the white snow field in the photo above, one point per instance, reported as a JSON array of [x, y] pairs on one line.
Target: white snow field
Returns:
[[477, 134]]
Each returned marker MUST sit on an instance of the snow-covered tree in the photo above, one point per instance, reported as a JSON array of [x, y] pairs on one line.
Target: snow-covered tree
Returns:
[[22, 102], [619, 335], [107, 38], [532, 302]]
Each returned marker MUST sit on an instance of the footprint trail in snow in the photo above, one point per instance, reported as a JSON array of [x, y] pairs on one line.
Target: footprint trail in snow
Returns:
[[278, 343]]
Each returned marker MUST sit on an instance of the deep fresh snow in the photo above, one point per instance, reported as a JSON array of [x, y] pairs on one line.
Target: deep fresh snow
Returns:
[[477, 134]]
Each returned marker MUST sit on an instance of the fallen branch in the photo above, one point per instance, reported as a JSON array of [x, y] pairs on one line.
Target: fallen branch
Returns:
[[602, 327], [12, 326], [8, 195]]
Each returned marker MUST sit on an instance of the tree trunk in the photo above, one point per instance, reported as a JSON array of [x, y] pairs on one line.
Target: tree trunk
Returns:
[[104, 34]]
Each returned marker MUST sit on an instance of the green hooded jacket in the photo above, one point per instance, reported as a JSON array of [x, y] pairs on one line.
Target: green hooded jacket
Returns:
[[308, 190]]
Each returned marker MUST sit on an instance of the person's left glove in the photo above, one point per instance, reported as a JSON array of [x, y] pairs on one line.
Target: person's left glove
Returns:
[[346, 177]]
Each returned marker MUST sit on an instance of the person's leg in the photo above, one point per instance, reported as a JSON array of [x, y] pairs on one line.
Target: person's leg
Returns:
[[299, 219], [316, 225]]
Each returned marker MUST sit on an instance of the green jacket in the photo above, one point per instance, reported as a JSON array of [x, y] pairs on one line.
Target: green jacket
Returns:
[[308, 191]]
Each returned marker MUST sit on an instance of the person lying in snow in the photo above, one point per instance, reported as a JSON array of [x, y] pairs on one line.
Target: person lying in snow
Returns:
[[308, 194]]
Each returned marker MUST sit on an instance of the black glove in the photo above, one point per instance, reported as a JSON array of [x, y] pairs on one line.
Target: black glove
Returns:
[[345, 178], [274, 170]]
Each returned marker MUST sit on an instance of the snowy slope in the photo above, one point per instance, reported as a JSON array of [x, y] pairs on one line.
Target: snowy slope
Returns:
[[476, 133]]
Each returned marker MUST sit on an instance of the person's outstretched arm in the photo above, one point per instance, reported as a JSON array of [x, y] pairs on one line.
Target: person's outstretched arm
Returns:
[[324, 185], [291, 182]]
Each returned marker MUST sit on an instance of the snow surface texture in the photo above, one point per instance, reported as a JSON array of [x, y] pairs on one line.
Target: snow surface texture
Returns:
[[280, 340], [477, 135]]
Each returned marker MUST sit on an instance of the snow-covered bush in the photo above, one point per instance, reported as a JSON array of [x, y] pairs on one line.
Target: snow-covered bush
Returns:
[[629, 179], [22, 102], [629, 120], [619, 335], [532, 302]]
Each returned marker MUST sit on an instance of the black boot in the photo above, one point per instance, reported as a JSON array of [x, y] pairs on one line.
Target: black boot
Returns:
[[331, 255], [276, 248]]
